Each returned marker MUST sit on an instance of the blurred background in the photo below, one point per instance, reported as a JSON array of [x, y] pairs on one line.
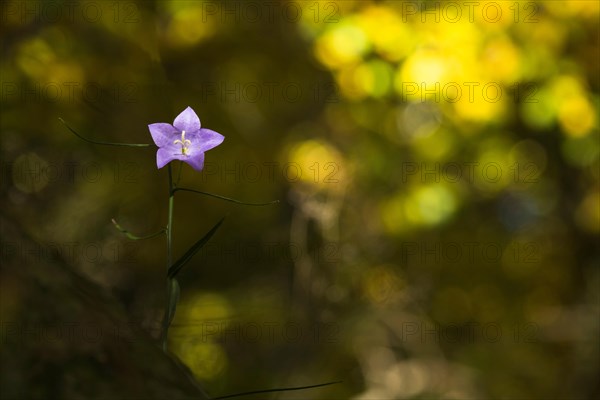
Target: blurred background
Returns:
[[437, 166]]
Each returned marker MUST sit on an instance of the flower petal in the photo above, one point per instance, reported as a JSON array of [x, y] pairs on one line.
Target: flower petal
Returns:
[[205, 139], [195, 160], [187, 121], [165, 155], [163, 133]]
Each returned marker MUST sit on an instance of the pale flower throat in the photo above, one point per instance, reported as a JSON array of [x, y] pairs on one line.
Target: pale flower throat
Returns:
[[185, 143]]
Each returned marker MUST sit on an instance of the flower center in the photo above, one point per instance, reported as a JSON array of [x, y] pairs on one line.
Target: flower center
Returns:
[[185, 143]]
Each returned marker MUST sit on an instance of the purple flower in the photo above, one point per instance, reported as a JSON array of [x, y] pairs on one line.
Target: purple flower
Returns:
[[184, 140]]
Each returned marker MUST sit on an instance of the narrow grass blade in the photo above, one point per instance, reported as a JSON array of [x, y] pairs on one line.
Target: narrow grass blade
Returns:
[[176, 267], [173, 298]]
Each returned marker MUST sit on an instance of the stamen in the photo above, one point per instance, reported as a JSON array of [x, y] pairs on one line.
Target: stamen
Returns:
[[184, 143]]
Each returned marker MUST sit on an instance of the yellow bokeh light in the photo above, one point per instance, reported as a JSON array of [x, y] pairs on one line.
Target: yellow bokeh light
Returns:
[[34, 57], [189, 26], [573, 8], [567, 86], [368, 79], [588, 9], [500, 15], [317, 163], [543, 42], [196, 316], [41, 63], [198, 323], [391, 37], [350, 83], [501, 60], [577, 116], [483, 106], [344, 44], [425, 67], [457, 42], [431, 204], [575, 113], [206, 360]]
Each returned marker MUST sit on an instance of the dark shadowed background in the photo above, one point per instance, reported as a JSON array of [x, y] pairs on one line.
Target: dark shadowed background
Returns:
[[437, 166]]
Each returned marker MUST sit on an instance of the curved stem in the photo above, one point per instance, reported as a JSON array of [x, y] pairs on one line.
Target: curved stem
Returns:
[[224, 198], [99, 142], [135, 237]]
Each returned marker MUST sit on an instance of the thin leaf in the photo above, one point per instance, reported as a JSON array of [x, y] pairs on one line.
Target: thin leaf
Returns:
[[276, 390], [173, 296], [175, 268], [102, 143], [173, 299], [224, 198], [134, 237]]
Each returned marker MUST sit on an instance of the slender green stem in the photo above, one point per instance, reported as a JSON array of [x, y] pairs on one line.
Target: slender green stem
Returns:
[[167, 316], [224, 198], [170, 220], [135, 237], [101, 142]]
